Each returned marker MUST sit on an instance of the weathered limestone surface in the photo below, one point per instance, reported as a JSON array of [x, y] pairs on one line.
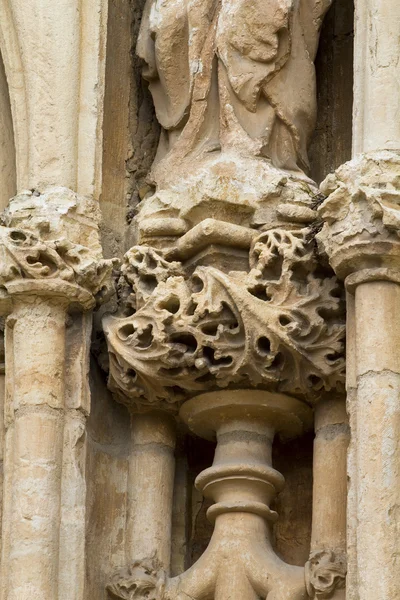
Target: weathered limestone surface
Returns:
[[185, 141], [7, 150], [360, 236]]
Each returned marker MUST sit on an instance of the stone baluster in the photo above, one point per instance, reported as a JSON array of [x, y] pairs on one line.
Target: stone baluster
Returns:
[[42, 282]]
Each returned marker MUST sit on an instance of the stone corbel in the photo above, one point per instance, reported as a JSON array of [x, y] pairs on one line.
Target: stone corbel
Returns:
[[278, 327], [326, 574]]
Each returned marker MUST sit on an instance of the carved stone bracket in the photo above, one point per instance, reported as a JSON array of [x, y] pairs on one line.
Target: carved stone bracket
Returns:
[[325, 573], [277, 327]]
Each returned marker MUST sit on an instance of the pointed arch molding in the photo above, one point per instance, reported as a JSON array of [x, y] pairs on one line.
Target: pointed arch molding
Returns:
[[54, 55], [11, 55]]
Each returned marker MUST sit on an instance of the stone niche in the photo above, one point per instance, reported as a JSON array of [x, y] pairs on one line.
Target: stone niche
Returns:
[[131, 135]]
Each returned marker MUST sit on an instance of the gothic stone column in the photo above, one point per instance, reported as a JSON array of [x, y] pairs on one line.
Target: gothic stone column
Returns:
[[41, 282], [360, 236]]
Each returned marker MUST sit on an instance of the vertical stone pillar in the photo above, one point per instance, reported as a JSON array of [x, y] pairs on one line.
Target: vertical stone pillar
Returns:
[[2, 430], [328, 539], [43, 281], [360, 236], [54, 58], [151, 486], [361, 220], [36, 414]]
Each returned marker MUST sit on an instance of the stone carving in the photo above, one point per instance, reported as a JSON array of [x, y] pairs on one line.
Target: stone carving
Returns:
[[23, 255], [229, 74], [278, 327], [142, 580], [362, 212], [234, 91], [54, 212], [325, 572]]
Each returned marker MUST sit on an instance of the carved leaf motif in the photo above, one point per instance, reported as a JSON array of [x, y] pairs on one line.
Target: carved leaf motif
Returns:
[[142, 580], [278, 327], [24, 256], [362, 208]]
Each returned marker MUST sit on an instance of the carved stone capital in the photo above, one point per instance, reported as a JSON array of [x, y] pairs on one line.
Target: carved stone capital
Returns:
[[27, 263], [141, 580], [362, 214], [278, 327], [325, 573]]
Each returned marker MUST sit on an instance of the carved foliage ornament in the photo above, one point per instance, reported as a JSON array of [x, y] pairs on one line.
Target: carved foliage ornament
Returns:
[[362, 212], [325, 572], [142, 580], [278, 327], [24, 256]]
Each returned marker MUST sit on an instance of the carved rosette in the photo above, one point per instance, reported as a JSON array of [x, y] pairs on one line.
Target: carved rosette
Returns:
[[325, 573], [142, 580], [361, 214], [279, 327], [25, 257]]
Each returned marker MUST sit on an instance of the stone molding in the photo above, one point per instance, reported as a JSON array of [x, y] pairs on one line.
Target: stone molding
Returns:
[[278, 327], [361, 214]]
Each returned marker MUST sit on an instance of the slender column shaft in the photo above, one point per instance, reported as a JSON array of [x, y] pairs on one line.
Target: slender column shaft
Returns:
[[377, 330], [376, 77], [351, 404], [2, 430], [329, 474], [151, 486], [36, 415]]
